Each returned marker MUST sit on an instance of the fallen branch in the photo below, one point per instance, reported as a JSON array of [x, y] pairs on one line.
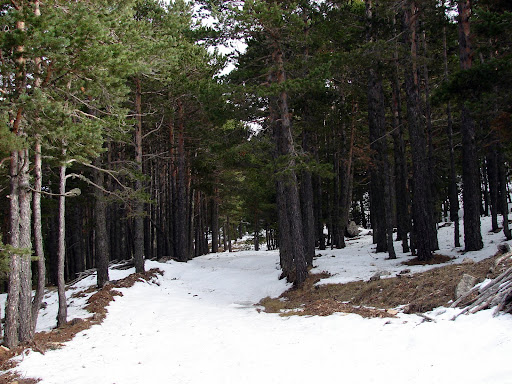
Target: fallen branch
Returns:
[[497, 293]]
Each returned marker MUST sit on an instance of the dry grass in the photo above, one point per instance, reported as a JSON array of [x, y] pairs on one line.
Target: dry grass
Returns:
[[417, 293]]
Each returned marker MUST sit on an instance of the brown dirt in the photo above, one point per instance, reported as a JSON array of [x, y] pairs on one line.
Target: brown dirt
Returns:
[[96, 305], [436, 259], [414, 293]]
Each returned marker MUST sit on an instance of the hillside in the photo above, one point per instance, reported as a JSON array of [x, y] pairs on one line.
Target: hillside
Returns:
[[200, 322]]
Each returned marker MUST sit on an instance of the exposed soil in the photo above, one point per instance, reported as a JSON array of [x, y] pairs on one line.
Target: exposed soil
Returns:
[[96, 305], [412, 293]]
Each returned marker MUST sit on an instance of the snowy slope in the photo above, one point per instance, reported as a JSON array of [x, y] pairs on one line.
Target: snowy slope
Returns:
[[199, 326]]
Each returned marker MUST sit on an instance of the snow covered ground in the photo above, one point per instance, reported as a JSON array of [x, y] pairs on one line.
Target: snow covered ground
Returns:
[[199, 325]]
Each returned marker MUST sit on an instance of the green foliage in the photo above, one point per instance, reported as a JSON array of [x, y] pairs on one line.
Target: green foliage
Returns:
[[6, 251]]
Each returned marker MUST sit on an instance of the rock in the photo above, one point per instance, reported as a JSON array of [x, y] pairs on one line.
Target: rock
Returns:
[[352, 229], [465, 284], [377, 275], [504, 248], [468, 260]]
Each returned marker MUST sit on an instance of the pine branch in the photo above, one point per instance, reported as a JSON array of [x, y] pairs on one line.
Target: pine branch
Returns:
[[90, 182]]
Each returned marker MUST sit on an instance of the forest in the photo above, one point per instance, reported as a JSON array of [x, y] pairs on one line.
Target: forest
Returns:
[[123, 136]]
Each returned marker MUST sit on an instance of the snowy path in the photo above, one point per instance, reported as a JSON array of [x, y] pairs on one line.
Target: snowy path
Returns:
[[198, 326]]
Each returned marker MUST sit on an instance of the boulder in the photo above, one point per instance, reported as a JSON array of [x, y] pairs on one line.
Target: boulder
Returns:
[[504, 248], [352, 229], [465, 284], [377, 275]]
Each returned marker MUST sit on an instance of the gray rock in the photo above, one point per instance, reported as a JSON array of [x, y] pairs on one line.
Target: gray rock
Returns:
[[465, 284], [504, 248], [377, 275], [352, 229]]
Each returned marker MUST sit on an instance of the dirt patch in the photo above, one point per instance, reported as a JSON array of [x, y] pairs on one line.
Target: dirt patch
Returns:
[[96, 305], [435, 259], [415, 293]]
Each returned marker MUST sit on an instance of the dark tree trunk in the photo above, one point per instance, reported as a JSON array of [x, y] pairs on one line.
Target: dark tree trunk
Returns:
[[256, 233], [380, 174], [138, 225], [38, 235], [61, 284], [380, 178], [452, 188], [308, 218], [430, 151], [101, 249], [503, 182], [12, 314], [421, 205], [471, 195], [402, 195], [227, 235], [291, 228], [215, 222], [181, 250], [492, 176], [319, 219]]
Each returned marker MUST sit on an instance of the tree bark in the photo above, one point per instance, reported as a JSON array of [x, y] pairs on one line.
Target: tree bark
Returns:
[[36, 207], [402, 195], [430, 148], [503, 182], [453, 192], [181, 250], [38, 235], [12, 314], [421, 205], [287, 179], [307, 199], [100, 229], [215, 222], [138, 227], [492, 176], [18, 318], [61, 252], [471, 195]]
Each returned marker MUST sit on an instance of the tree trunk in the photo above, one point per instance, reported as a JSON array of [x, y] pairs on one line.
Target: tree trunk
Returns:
[[36, 208], [228, 234], [38, 236], [181, 251], [288, 192], [100, 230], [421, 205], [138, 227], [380, 175], [215, 222], [503, 182], [11, 338], [61, 252], [471, 195], [308, 215], [402, 196], [492, 176], [430, 148], [452, 188]]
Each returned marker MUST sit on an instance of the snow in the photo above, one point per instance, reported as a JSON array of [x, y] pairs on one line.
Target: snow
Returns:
[[199, 325]]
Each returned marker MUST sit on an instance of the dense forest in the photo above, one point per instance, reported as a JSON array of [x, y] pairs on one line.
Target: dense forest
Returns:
[[123, 136]]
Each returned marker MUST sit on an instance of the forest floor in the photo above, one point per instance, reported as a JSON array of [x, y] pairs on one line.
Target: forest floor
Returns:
[[412, 293], [206, 321]]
